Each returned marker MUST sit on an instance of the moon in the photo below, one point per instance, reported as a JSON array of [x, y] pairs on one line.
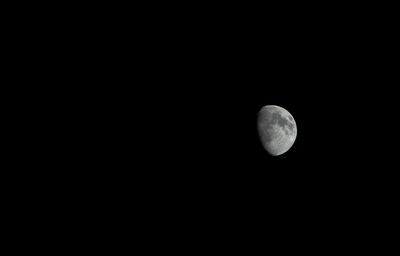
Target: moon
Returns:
[[277, 129]]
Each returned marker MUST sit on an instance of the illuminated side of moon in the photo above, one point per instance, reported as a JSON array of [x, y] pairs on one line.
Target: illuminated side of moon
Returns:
[[277, 129]]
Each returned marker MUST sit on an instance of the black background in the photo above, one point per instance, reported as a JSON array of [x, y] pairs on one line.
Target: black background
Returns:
[[155, 117], [204, 81], [196, 85]]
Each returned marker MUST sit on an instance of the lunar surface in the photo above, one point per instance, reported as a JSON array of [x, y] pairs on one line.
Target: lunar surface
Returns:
[[277, 129]]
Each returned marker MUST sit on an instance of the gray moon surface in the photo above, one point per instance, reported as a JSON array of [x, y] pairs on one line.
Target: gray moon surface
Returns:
[[277, 129]]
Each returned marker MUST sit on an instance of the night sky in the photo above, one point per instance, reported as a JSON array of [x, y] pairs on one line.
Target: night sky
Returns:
[[138, 124], [176, 123]]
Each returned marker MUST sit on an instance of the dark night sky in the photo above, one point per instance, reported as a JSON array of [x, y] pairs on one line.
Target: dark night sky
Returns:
[[213, 77], [325, 74], [142, 121], [179, 127]]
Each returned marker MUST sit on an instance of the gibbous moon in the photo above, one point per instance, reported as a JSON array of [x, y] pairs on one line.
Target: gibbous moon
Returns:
[[277, 129]]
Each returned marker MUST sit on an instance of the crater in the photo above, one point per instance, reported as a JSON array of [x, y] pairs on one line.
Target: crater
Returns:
[[277, 118]]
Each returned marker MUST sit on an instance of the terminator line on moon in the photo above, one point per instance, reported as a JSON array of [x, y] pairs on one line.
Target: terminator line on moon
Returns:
[[277, 129]]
